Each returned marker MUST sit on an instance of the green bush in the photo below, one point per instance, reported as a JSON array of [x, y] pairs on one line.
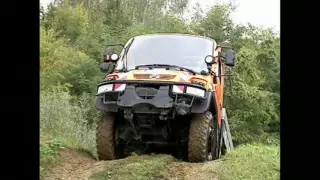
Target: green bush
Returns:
[[70, 21], [48, 152], [67, 121], [62, 64]]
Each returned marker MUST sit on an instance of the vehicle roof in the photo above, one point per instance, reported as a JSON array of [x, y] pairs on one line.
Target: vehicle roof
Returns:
[[175, 34]]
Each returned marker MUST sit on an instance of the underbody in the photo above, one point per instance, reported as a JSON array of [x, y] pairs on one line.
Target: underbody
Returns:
[[145, 131]]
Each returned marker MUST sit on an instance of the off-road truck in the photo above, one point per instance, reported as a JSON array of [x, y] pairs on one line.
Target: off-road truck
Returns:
[[166, 89]]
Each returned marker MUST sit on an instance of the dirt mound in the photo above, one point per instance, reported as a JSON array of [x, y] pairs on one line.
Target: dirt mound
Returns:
[[74, 165], [191, 171]]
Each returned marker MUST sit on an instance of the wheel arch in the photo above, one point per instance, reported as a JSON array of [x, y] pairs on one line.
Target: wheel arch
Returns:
[[213, 108]]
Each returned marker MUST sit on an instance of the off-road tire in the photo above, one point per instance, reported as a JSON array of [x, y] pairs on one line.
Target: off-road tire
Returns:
[[218, 142], [105, 138], [198, 137]]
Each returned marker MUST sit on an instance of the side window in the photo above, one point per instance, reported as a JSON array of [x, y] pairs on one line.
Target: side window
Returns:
[[122, 61]]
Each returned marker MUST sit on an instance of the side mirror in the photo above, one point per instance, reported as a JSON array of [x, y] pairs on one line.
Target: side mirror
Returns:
[[230, 58], [104, 67]]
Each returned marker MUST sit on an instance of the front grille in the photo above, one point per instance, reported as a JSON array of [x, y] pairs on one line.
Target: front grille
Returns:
[[149, 76], [146, 92], [110, 97], [198, 83]]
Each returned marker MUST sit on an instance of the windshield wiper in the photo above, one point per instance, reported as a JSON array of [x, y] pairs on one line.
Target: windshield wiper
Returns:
[[167, 66]]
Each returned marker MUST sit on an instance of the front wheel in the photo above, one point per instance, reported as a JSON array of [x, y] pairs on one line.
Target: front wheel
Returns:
[[105, 139], [202, 138]]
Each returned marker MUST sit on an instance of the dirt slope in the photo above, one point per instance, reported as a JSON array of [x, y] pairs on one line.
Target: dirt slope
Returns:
[[192, 171], [75, 165]]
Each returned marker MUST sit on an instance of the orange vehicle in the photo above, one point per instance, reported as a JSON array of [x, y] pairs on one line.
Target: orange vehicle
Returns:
[[166, 91]]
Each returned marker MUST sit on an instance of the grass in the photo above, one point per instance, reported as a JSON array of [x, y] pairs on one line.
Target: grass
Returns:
[[49, 151], [251, 162], [63, 124], [136, 168]]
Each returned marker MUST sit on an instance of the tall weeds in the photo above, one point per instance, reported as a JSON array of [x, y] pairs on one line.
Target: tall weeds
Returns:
[[66, 120]]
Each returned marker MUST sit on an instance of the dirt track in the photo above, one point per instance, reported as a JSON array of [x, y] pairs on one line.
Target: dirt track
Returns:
[[75, 165]]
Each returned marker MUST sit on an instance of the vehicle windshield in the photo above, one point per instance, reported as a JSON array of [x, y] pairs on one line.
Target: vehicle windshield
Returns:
[[177, 50]]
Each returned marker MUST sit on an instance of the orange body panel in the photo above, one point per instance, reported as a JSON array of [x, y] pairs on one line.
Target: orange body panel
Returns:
[[219, 90], [164, 76]]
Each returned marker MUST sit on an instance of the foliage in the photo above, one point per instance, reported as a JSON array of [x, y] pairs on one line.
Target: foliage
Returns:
[[217, 23], [70, 22], [66, 120], [65, 65]]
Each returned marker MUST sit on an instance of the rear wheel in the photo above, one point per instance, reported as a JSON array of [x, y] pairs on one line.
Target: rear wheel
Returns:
[[216, 141], [201, 138], [105, 139]]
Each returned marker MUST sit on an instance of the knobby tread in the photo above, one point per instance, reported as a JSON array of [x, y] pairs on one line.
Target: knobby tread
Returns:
[[105, 137], [198, 136]]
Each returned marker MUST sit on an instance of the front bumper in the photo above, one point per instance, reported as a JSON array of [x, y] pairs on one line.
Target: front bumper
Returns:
[[162, 100]]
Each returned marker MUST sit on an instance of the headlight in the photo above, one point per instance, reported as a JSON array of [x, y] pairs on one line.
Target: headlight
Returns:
[[105, 88], [209, 59], [195, 91], [177, 89]]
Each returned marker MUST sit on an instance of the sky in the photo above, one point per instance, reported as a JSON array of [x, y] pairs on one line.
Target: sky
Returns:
[[265, 13]]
